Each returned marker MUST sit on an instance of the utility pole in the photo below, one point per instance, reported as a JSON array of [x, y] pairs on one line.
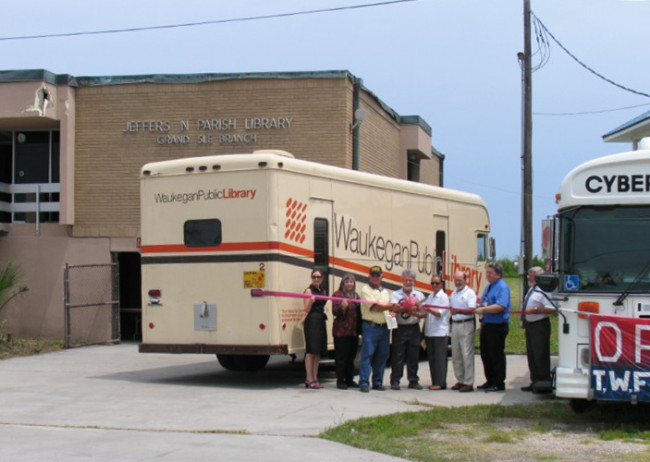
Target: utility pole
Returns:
[[525, 258]]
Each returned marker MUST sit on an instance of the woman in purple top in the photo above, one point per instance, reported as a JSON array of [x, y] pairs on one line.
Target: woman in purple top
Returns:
[[345, 330]]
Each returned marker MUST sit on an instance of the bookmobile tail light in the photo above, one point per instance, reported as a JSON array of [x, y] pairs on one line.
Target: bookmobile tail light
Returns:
[[154, 296]]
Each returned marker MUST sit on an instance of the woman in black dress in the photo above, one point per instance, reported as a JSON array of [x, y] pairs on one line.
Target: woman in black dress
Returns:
[[315, 331]]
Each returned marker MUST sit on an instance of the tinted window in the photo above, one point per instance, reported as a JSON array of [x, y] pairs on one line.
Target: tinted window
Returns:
[[605, 249], [481, 247], [32, 157], [321, 249], [202, 233], [440, 251]]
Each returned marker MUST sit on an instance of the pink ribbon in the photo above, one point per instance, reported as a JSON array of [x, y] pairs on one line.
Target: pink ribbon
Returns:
[[276, 293]]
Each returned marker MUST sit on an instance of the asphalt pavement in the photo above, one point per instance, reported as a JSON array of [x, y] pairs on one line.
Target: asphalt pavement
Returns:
[[109, 402]]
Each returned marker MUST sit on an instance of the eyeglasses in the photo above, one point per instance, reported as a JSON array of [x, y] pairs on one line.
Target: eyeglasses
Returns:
[[317, 277], [435, 283]]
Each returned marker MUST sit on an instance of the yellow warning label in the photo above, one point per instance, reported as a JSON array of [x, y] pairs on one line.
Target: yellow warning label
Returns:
[[254, 280]]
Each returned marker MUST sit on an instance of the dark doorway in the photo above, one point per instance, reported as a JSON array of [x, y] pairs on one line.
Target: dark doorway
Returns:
[[130, 296]]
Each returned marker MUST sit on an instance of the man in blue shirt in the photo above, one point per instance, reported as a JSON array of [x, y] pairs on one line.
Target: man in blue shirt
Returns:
[[495, 319]]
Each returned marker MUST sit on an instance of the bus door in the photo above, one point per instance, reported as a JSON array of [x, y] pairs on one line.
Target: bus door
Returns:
[[321, 214]]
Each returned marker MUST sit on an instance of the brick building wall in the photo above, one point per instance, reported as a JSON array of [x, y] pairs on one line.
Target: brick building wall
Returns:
[[380, 142], [313, 117], [430, 171]]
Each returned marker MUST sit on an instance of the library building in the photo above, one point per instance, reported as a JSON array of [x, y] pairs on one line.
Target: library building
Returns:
[[71, 151]]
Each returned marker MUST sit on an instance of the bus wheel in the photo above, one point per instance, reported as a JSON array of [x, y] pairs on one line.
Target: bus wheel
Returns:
[[251, 362], [580, 405], [228, 362]]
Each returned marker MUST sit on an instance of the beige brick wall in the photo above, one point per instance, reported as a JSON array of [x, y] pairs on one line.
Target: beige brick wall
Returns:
[[430, 171], [380, 142], [108, 158]]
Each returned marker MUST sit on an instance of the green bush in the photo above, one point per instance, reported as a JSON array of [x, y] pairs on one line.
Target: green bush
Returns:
[[11, 283], [510, 265]]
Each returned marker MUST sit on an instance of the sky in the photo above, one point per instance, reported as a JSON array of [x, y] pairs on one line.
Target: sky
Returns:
[[452, 62]]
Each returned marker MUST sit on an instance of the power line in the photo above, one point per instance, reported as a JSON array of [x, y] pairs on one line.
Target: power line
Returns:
[[541, 24], [205, 23], [543, 47], [601, 111]]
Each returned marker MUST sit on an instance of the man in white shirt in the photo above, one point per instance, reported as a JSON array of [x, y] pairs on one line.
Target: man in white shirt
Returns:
[[463, 326], [538, 331], [406, 338], [436, 333]]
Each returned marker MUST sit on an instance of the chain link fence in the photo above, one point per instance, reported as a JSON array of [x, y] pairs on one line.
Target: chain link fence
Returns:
[[91, 298]]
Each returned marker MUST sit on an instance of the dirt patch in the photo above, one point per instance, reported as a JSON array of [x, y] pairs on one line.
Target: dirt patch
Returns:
[[518, 441]]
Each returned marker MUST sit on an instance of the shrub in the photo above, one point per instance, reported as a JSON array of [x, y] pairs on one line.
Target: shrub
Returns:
[[11, 283]]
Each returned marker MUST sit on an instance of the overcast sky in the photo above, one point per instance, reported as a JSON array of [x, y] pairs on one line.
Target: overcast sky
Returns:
[[452, 62]]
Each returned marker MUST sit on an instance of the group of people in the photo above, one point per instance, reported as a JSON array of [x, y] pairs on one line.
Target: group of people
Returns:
[[376, 312]]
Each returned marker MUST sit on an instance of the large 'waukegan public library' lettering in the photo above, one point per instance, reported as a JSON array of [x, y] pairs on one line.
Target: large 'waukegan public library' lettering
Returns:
[[375, 247], [209, 130]]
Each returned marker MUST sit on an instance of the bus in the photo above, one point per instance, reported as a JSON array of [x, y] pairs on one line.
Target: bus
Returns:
[[599, 246], [214, 229]]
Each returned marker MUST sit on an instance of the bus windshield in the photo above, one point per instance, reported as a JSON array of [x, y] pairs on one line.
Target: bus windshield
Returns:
[[605, 249]]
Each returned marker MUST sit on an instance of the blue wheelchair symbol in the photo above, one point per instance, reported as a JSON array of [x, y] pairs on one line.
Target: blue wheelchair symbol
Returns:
[[571, 282]]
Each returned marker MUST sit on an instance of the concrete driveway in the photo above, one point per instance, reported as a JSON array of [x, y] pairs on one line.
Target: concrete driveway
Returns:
[[112, 403]]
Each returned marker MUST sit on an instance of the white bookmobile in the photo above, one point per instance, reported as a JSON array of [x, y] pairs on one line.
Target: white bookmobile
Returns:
[[214, 228], [599, 242]]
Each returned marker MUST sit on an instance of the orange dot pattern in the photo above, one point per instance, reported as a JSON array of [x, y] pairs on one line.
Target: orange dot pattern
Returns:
[[296, 218]]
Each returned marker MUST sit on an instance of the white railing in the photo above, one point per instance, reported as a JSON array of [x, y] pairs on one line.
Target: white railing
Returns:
[[35, 206]]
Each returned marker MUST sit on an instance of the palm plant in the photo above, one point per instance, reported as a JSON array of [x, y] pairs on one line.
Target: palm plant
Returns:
[[11, 283]]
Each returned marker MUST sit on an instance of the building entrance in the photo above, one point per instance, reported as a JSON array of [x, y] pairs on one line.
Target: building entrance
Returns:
[[130, 296]]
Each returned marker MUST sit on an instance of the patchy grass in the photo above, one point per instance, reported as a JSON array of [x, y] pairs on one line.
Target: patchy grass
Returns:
[[10, 348], [546, 431]]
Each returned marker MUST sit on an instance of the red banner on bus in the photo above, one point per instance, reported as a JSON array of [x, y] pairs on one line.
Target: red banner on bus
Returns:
[[620, 358]]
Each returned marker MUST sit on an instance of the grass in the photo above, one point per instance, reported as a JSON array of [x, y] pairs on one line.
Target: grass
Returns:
[[28, 347], [484, 432], [12, 347]]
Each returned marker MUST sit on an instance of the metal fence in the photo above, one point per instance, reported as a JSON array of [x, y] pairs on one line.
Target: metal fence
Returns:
[[91, 303]]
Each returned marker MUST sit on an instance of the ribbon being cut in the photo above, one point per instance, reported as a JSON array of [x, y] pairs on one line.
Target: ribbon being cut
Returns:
[[409, 302]]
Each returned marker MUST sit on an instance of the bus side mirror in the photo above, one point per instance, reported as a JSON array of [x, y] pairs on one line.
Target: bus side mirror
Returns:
[[547, 282], [493, 248]]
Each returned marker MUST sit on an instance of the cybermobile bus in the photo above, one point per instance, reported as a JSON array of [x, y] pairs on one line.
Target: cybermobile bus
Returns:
[[214, 228], [601, 252]]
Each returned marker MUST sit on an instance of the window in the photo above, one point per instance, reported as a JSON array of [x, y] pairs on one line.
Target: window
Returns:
[[481, 247], [29, 176], [202, 233], [321, 249], [6, 168], [440, 251], [605, 249], [413, 168], [32, 157]]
